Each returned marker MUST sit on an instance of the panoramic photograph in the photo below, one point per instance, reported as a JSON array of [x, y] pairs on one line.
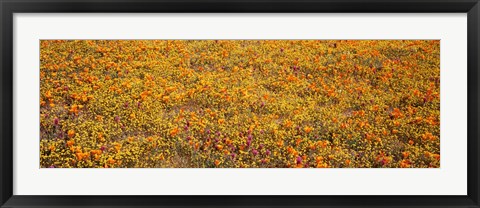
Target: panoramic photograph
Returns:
[[239, 104]]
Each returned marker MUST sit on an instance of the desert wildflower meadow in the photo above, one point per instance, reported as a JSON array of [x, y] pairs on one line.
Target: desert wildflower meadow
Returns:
[[240, 104]]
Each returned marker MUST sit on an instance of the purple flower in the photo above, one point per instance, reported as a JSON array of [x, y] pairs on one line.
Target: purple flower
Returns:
[[233, 155], [281, 50], [117, 119], [102, 148], [126, 105], [189, 138], [250, 137], [52, 166], [267, 152], [185, 127], [55, 121], [299, 160], [254, 152], [384, 162]]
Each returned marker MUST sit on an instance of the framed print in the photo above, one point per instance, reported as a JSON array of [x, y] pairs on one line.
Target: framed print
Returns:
[[247, 104]]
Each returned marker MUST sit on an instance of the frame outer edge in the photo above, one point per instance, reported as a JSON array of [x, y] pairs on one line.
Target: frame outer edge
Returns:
[[473, 24], [473, 112], [2, 201], [477, 145], [6, 99]]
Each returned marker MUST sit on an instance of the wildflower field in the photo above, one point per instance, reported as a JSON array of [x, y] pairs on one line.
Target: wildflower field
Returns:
[[240, 103]]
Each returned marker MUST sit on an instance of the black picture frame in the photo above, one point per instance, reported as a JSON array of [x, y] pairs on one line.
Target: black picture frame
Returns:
[[9, 7]]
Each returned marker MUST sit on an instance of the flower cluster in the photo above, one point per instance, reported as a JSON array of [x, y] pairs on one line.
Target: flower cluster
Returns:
[[240, 103]]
